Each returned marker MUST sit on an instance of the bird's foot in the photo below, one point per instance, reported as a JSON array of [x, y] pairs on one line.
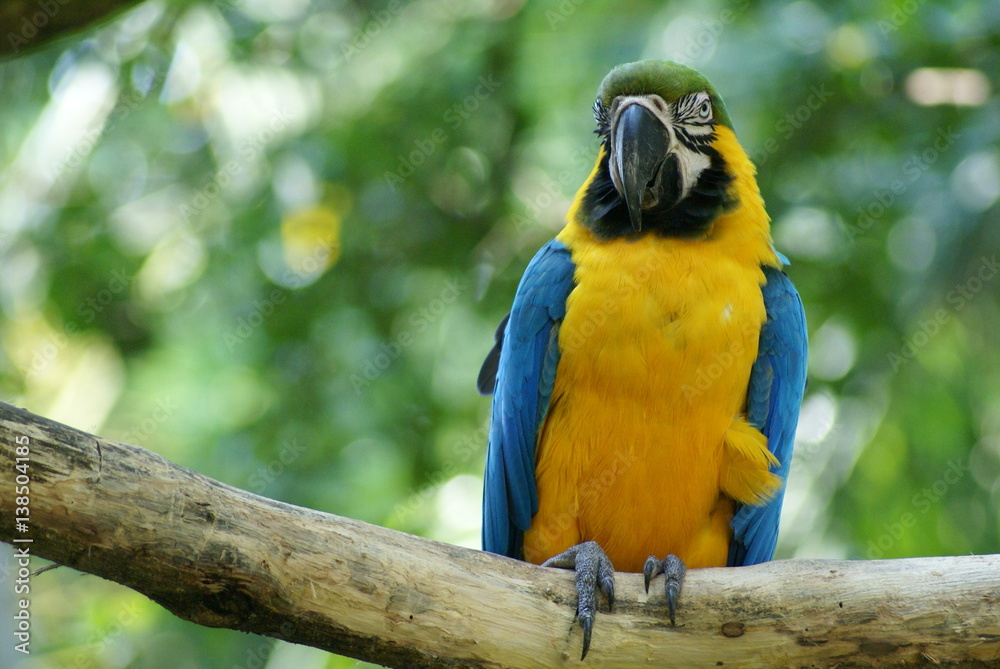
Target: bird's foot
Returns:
[[593, 570], [673, 568]]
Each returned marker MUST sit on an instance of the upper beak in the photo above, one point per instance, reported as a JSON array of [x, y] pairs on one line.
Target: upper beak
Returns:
[[644, 170]]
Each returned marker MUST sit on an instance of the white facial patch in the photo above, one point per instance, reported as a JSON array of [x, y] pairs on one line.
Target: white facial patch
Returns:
[[692, 164]]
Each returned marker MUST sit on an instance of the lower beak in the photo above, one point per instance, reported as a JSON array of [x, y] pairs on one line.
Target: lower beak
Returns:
[[644, 170]]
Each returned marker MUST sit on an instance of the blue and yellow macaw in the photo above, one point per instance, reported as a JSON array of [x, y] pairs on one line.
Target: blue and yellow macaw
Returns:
[[647, 381]]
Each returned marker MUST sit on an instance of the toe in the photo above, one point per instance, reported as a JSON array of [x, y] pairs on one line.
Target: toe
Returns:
[[565, 560], [674, 569], [593, 571], [606, 580], [652, 567]]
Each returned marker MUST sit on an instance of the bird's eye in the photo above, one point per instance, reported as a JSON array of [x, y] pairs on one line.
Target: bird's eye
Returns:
[[706, 109]]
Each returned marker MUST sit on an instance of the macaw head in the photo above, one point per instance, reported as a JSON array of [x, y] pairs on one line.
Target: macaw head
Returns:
[[662, 167]]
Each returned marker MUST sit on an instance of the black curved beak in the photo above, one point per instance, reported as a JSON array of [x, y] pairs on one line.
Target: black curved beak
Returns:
[[644, 170]]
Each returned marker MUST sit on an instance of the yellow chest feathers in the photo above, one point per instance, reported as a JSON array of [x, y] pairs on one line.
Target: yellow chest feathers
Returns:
[[673, 323]]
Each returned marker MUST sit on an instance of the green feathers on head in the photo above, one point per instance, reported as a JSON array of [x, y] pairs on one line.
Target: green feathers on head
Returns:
[[665, 78]]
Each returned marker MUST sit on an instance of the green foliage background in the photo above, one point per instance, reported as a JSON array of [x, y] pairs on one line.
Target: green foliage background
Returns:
[[271, 242]]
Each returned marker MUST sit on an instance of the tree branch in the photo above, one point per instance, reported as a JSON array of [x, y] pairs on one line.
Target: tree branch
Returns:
[[29, 24], [223, 557]]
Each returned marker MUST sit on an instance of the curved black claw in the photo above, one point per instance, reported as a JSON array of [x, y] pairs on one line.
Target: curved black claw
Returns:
[[652, 567], [593, 570], [674, 569]]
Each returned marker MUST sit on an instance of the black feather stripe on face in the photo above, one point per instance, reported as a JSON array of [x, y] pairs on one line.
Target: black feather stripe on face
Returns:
[[694, 142], [603, 118]]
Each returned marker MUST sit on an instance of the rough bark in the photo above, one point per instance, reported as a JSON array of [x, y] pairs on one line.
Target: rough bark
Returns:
[[223, 557]]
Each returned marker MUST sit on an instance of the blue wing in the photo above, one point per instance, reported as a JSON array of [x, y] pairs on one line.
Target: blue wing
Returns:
[[777, 383], [522, 376]]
